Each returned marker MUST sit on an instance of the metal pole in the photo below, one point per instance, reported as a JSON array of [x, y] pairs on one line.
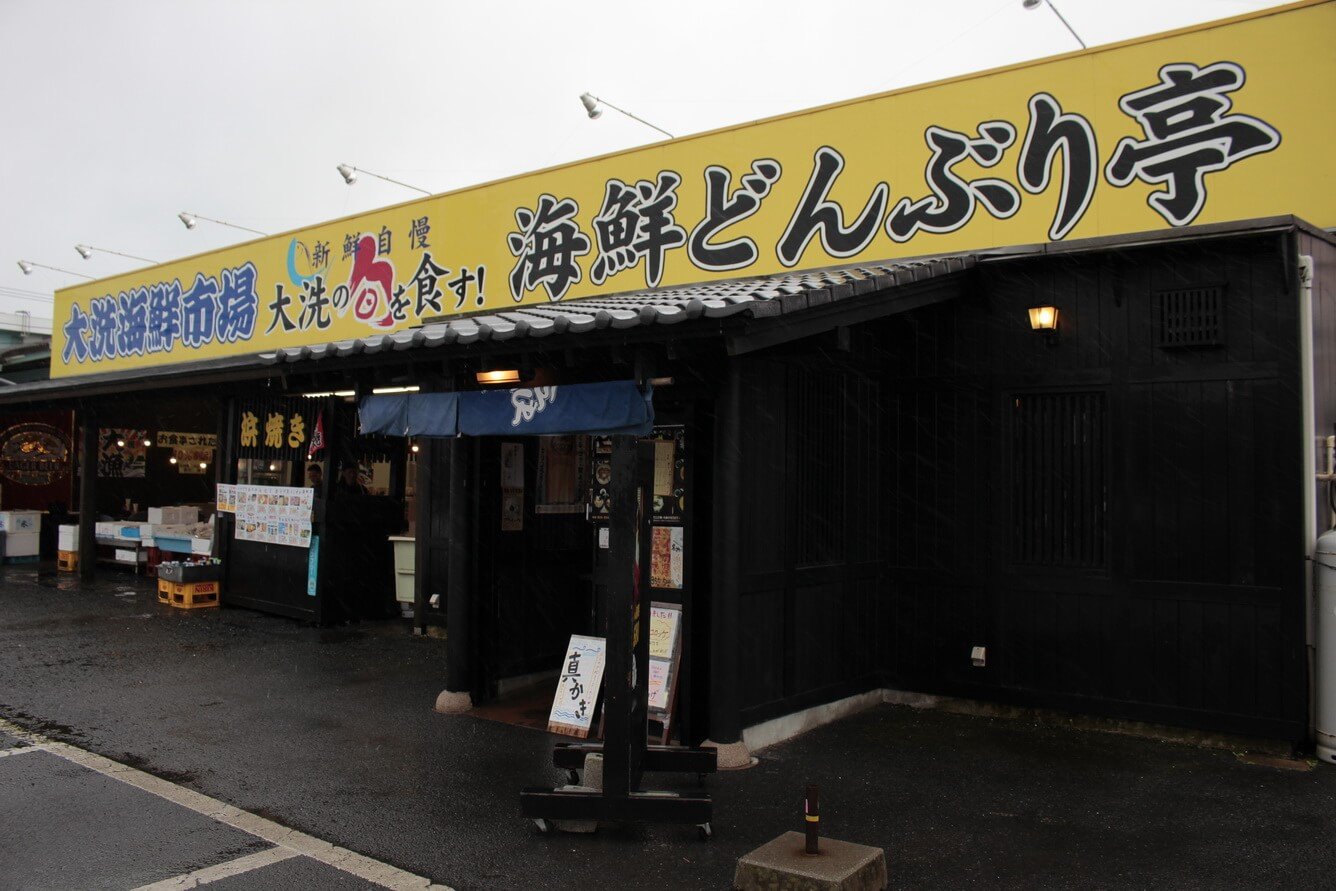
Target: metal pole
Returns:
[[812, 819]]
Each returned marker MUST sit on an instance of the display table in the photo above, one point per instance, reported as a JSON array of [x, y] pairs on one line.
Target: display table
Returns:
[[120, 547]]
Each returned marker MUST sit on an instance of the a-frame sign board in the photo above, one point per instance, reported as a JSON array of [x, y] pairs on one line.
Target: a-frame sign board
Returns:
[[626, 752]]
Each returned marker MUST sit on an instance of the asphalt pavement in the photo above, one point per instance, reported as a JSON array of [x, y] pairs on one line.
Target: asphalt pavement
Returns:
[[328, 735]]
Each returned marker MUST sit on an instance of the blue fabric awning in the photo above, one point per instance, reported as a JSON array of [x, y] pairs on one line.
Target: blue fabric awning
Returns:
[[605, 408], [411, 414]]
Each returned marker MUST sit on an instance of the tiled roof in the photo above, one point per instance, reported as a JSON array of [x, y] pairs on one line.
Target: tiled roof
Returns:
[[764, 296]]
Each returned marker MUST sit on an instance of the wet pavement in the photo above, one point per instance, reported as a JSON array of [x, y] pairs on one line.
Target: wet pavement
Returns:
[[331, 732]]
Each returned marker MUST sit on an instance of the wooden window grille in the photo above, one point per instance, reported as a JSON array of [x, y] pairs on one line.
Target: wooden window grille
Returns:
[[1060, 480], [1191, 317]]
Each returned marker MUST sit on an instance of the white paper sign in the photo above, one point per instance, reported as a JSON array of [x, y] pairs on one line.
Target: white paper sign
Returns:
[[577, 690]]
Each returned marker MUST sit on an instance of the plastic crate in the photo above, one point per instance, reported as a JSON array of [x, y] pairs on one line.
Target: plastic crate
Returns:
[[67, 561], [189, 595], [190, 572]]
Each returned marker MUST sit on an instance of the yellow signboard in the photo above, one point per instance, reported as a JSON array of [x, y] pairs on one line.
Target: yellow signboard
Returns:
[[1229, 121]]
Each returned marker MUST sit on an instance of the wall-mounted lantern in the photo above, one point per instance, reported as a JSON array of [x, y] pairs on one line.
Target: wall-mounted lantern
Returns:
[[1044, 319]]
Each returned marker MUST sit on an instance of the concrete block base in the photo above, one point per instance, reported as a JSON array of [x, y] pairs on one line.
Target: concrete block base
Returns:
[[449, 703], [593, 782], [783, 865], [732, 756]]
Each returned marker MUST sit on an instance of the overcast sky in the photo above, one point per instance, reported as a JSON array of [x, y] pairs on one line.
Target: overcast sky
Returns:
[[120, 115]]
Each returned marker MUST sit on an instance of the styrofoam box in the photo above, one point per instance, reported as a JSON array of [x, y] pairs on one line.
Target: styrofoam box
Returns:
[[130, 556], [22, 544], [67, 538], [201, 546], [173, 516], [20, 521], [107, 530]]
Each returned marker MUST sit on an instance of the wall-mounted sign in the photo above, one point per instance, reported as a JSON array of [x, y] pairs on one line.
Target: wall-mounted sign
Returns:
[[172, 438], [1221, 122], [34, 454]]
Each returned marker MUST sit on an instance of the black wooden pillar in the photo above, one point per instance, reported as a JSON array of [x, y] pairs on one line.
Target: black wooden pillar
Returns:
[[725, 586], [88, 496], [424, 479], [459, 677]]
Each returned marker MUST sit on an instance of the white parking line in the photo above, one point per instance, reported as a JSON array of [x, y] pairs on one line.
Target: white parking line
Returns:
[[351, 862], [5, 753], [222, 870]]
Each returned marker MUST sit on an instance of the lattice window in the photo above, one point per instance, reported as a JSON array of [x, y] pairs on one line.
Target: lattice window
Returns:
[[1191, 317], [1060, 479]]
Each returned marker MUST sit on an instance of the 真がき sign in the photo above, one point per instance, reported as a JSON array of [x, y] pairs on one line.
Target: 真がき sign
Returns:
[[1228, 121]]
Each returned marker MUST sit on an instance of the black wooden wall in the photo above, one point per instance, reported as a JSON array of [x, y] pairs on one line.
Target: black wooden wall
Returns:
[[1115, 512]]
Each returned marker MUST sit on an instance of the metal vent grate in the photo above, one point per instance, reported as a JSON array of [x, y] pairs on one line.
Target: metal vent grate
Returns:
[[1059, 479], [1191, 317]]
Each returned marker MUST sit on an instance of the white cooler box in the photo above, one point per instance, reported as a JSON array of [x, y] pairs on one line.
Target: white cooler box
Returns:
[[67, 538], [20, 521], [22, 544]]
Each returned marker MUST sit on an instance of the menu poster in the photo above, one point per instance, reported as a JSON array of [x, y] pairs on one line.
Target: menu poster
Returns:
[[577, 690], [663, 622], [658, 684], [665, 557], [665, 658], [227, 498], [274, 514]]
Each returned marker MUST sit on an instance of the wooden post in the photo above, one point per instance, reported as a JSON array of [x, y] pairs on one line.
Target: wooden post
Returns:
[[725, 695], [459, 676], [422, 493], [88, 496]]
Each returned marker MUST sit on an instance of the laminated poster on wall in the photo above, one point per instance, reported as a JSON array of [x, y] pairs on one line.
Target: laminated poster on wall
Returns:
[[665, 557], [274, 514], [665, 654], [577, 690]]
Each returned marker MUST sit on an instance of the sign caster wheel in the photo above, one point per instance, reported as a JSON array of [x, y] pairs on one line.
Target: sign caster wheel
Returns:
[[573, 777], [706, 831], [544, 827]]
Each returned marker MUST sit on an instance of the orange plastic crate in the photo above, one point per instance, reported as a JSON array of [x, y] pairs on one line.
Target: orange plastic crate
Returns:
[[189, 595]]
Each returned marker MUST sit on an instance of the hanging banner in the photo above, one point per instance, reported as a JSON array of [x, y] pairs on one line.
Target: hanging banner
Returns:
[[276, 428], [121, 452], [1225, 121], [610, 407]]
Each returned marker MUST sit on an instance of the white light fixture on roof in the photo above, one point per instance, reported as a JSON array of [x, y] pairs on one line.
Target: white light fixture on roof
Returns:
[[1032, 4], [191, 220], [382, 391], [349, 174], [86, 251], [28, 266], [591, 104]]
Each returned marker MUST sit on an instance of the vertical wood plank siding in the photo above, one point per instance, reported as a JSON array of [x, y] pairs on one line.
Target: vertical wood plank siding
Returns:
[[1117, 518]]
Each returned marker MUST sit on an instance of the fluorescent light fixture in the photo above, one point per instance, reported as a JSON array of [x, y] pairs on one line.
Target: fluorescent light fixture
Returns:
[[328, 393], [382, 391], [503, 376]]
